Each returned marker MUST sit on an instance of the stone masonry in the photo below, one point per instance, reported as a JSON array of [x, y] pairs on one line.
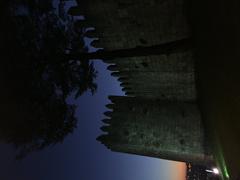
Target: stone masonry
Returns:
[[159, 117]]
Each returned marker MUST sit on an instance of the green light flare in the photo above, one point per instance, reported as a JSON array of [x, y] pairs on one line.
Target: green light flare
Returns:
[[221, 162]]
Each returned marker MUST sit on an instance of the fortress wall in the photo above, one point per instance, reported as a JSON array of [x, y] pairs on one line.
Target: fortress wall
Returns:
[[169, 77], [126, 24], [156, 128], [121, 25], [161, 119]]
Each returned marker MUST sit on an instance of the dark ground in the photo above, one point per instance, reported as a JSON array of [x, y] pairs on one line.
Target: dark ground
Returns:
[[217, 31]]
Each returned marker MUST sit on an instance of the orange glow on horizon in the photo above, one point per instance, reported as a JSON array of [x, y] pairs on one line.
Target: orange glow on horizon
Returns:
[[178, 171]]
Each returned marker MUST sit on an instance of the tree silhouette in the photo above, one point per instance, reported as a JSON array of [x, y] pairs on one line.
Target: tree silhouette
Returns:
[[36, 77], [43, 61]]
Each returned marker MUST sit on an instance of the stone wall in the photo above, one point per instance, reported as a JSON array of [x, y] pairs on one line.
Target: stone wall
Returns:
[[159, 117], [169, 77], [156, 128], [126, 24]]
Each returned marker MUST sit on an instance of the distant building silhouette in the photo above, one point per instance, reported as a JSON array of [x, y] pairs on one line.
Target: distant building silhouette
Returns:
[[198, 172]]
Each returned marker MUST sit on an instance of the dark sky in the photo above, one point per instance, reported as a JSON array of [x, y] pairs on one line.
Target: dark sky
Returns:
[[80, 156]]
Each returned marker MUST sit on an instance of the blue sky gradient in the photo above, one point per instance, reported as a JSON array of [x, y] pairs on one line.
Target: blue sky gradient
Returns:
[[80, 156]]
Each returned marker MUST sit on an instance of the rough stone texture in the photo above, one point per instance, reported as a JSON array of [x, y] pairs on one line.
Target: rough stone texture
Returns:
[[126, 24], [169, 77], [161, 117], [156, 128]]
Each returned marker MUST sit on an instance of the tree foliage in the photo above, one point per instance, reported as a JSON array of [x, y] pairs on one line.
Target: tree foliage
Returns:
[[37, 77]]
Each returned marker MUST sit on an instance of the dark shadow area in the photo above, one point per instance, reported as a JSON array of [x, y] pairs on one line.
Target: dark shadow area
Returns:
[[36, 77], [216, 27]]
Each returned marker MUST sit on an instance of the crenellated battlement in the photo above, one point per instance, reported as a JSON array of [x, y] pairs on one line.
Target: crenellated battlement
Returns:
[[133, 23], [156, 128], [159, 117], [169, 77]]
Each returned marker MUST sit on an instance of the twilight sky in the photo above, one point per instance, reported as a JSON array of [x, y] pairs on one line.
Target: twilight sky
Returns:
[[80, 156]]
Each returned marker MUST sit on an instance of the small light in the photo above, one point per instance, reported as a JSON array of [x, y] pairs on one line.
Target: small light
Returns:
[[215, 171]]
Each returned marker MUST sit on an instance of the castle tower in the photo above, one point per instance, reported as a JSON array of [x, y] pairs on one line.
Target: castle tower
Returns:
[[159, 117], [123, 25], [156, 128]]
